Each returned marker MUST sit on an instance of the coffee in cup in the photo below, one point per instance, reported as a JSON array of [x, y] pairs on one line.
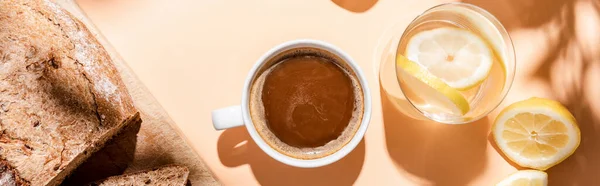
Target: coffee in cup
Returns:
[[306, 103]]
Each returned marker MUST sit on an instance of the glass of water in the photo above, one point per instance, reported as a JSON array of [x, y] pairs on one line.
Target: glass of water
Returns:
[[453, 64]]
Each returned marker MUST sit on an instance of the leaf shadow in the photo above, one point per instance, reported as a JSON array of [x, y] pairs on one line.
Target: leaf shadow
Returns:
[[566, 67], [356, 6]]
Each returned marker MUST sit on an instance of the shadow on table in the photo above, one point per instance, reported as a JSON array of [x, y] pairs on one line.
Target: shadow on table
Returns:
[[235, 148], [356, 6], [583, 167], [515, 14], [569, 67], [437, 153]]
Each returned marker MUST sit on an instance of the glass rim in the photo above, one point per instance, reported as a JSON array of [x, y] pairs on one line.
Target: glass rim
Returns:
[[509, 46]]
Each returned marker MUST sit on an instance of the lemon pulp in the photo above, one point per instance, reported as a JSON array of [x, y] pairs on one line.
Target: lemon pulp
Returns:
[[536, 133]]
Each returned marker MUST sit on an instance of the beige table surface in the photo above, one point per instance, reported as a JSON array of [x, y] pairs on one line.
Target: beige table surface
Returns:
[[194, 55]]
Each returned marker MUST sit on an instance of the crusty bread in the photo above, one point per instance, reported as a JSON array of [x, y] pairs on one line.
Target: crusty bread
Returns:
[[172, 175], [61, 97], [8, 176]]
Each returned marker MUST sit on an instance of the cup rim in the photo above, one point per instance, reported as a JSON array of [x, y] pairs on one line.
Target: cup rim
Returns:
[[511, 50], [325, 160]]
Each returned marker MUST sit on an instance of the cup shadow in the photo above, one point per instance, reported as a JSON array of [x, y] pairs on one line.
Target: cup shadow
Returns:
[[235, 147], [438, 153], [356, 6]]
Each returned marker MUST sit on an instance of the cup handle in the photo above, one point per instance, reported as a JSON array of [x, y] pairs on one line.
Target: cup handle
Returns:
[[227, 117]]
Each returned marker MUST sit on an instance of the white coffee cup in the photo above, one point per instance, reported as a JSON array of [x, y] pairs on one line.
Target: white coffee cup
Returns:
[[236, 116]]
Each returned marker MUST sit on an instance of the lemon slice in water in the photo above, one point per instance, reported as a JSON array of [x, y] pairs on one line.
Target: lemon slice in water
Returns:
[[457, 56], [525, 178], [536, 133], [437, 93]]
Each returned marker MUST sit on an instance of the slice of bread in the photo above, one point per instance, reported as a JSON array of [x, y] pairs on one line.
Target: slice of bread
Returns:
[[61, 98], [171, 175]]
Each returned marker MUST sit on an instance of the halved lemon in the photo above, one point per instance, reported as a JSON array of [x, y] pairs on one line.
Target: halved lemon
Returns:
[[437, 93], [457, 56], [536, 133], [525, 178]]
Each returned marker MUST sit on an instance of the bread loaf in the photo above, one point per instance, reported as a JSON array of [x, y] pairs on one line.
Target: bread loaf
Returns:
[[171, 175], [61, 97]]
